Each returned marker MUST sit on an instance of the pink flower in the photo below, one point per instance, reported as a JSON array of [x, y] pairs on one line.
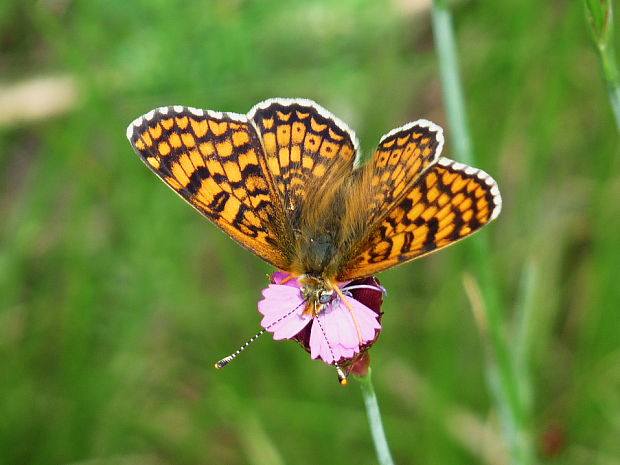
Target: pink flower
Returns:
[[339, 333]]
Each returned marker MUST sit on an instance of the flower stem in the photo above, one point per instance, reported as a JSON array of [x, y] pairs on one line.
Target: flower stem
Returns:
[[374, 419]]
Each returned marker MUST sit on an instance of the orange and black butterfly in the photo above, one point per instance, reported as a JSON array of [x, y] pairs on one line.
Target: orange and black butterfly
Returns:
[[285, 181]]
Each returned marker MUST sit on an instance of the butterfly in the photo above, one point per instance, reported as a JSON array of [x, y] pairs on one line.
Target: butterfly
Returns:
[[286, 182]]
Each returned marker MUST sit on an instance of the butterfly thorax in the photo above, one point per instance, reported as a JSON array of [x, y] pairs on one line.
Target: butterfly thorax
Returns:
[[320, 233], [317, 292]]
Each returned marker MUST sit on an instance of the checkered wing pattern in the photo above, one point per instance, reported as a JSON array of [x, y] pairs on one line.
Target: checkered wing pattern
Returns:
[[303, 144], [215, 161], [403, 154], [448, 202]]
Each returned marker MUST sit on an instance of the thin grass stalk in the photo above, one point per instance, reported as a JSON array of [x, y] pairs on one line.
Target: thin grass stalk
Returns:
[[502, 372], [599, 15], [374, 419]]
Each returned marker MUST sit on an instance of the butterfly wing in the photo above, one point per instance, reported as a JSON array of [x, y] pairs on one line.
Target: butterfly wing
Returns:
[[304, 146], [215, 161], [441, 203], [402, 155]]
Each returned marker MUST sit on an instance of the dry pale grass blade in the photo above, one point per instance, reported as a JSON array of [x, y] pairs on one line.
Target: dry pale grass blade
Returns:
[[472, 289], [259, 448], [481, 437], [413, 7], [36, 99]]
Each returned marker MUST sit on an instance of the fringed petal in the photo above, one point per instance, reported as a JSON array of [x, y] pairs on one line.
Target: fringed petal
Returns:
[[367, 319], [323, 346], [283, 310], [280, 276], [335, 336]]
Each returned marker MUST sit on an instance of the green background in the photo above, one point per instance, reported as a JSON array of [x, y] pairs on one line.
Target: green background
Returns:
[[116, 297]]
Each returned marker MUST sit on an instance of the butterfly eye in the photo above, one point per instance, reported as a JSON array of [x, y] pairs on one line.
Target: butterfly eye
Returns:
[[326, 298]]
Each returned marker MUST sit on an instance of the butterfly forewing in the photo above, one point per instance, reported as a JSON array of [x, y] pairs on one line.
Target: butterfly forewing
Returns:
[[215, 162], [303, 144], [449, 202]]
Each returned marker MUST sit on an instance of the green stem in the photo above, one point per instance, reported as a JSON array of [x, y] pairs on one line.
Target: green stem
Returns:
[[374, 419], [612, 78], [502, 372], [600, 18]]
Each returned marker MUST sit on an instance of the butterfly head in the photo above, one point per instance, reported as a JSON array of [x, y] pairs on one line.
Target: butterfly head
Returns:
[[317, 292]]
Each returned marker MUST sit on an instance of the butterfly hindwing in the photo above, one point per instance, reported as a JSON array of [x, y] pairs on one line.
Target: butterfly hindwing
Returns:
[[447, 203], [402, 155], [215, 162]]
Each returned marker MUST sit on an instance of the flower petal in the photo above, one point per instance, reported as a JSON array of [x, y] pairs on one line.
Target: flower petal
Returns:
[[280, 276], [340, 327], [334, 334], [283, 310], [320, 347], [366, 318]]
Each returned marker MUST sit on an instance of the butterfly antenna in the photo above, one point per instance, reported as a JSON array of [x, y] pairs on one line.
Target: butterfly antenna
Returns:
[[226, 360]]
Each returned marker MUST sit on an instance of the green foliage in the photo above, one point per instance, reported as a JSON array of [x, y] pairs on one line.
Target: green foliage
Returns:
[[116, 298], [600, 16]]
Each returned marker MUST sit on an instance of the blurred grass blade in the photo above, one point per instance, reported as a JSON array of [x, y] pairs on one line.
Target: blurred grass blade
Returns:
[[525, 333], [259, 448], [525, 315], [600, 17], [599, 14], [451, 83], [501, 368]]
